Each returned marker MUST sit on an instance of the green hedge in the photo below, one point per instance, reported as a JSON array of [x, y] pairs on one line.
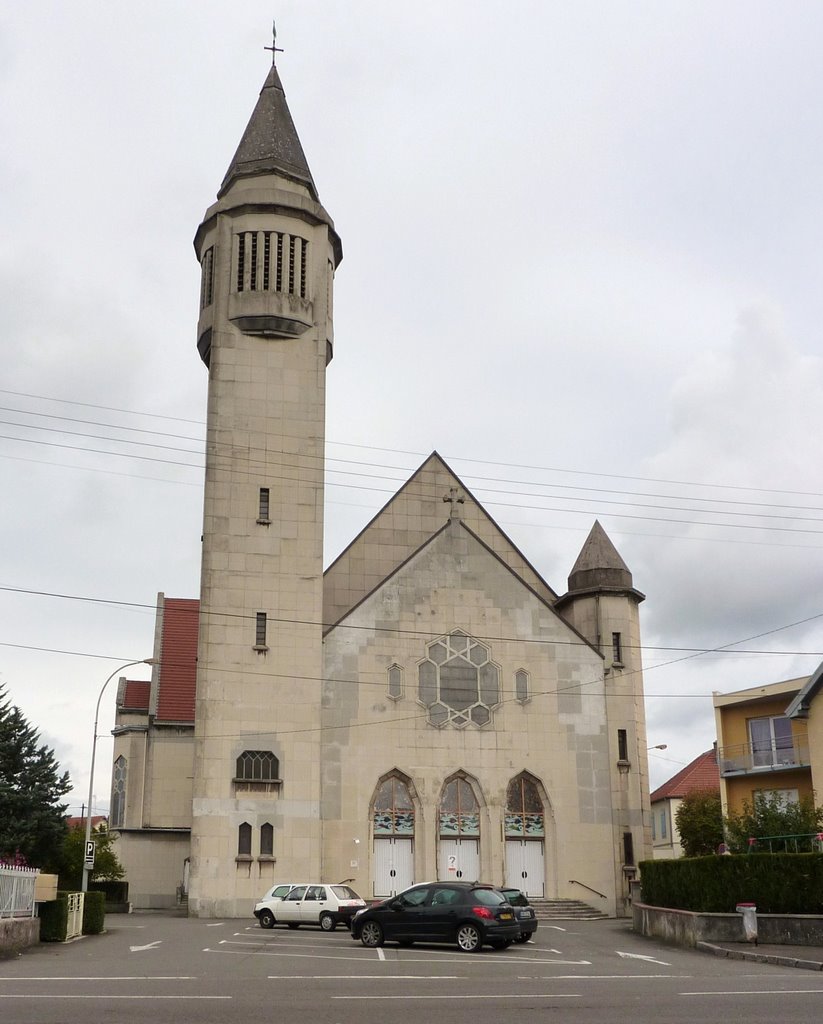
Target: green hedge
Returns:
[[54, 919], [54, 916], [94, 913], [779, 883], [115, 892]]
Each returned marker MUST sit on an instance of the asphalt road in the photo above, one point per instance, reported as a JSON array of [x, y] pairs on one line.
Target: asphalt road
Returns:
[[168, 970]]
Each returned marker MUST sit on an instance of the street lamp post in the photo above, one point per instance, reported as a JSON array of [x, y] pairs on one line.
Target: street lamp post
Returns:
[[143, 661]]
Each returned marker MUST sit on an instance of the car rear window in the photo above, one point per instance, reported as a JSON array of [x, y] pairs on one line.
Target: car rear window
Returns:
[[343, 892], [515, 897], [488, 897]]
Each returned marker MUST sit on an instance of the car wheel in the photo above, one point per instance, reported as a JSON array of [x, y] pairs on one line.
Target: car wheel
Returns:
[[469, 938], [501, 943], [371, 934], [523, 937], [327, 922], [293, 924], [266, 919]]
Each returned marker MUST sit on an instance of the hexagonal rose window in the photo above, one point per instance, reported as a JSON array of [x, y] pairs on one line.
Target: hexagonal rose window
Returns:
[[458, 682]]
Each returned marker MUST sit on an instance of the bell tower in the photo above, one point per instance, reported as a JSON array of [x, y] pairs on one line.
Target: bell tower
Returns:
[[268, 252]]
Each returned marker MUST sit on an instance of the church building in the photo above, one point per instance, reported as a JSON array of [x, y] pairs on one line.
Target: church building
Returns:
[[427, 707]]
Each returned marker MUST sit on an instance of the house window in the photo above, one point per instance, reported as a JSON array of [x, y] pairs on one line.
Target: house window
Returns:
[[260, 632], [663, 824], [771, 740], [118, 793], [395, 682], [257, 766], [521, 685], [654, 826], [263, 506], [622, 745], [784, 797], [244, 840], [617, 649], [267, 840]]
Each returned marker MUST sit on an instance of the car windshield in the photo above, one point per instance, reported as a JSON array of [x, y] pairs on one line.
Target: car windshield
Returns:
[[488, 897], [343, 892]]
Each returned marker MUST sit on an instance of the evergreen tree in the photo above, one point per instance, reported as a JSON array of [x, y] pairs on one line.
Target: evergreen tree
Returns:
[[107, 868], [699, 820], [32, 820]]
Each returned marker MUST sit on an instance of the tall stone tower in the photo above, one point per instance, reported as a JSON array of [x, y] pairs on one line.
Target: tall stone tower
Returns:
[[602, 604], [268, 251]]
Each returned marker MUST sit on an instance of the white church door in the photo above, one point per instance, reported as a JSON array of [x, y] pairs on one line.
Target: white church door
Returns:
[[459, 832], [393, 866], [459, 860], [525, 866], [525, 828], [393, 832]]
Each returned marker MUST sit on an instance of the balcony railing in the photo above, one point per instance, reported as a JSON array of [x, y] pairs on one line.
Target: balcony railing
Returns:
[[741, 758]]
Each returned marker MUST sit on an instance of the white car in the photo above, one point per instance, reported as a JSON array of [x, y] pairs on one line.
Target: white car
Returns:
[[327, 905]]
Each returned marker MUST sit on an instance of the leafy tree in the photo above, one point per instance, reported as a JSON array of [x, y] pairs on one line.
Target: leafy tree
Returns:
[[32, 820], [772, 815], [107, 868], [699, 820]]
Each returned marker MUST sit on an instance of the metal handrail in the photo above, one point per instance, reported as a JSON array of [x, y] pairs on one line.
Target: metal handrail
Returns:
[[815, 841], [574, 881]]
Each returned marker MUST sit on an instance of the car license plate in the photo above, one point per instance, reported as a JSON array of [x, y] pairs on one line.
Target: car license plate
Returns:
[[506, 917]]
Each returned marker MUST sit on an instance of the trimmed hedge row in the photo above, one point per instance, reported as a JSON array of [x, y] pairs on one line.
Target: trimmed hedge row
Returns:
[[54, 916], [779, 883]]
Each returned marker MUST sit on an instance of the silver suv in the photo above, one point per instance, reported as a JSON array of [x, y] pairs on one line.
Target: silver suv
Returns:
[[319, 903]]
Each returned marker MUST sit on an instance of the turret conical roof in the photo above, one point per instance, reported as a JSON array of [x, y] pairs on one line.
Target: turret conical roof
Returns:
[[599, 564], [270, 143]]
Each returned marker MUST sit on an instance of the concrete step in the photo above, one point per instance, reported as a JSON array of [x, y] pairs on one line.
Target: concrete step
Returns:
[[565, 910]]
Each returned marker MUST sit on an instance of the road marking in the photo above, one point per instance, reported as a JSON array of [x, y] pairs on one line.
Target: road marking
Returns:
[[117, 977], [150, 945], [380, 954], [63, 995], [515, 995], [597, 977], [367, 977], [642, 956], [556, 927], [759, 992], [217, 924]]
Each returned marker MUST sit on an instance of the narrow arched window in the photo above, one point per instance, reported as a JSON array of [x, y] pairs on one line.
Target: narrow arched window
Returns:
[[524, 809], [266, 840], [393, 809], [244, 840], [117, 813], [459, 810]]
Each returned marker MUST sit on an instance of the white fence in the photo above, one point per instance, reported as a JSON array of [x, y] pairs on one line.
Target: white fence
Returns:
[[17, 891]]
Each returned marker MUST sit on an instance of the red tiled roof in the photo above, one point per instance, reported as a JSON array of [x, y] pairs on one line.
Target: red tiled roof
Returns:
[[96, 821], [702, 773], [136, 695], [178, 660]]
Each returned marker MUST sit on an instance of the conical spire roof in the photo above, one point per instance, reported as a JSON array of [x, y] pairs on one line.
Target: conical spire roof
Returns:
[[270, 143], [599, 564]]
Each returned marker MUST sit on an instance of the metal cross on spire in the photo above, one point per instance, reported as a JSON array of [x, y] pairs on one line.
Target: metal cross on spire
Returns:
[[275, 49]]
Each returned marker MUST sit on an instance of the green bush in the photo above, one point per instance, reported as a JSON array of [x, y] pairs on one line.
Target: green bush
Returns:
[[54, 919], [779, 883], [115, 892], [94, 913]]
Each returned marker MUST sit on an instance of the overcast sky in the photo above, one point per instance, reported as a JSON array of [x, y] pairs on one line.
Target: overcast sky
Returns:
[[581, 260]]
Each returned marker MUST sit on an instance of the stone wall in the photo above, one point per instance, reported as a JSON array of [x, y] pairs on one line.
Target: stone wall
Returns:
[[16, 933], [687, 928]]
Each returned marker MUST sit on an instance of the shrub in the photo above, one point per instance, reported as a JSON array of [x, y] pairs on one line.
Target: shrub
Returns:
[[54, 919], [94, 913], [779, 883]]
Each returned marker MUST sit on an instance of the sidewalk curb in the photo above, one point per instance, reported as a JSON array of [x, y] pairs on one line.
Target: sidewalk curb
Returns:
[[761, 958]]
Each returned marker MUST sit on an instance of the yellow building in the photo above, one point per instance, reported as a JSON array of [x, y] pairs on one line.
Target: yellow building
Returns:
[[763, 739]]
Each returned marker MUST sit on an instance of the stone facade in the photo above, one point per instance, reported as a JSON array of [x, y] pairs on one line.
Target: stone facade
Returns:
[[427, 707]]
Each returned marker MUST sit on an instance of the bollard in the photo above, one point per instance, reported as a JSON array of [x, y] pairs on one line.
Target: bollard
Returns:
[[749, 912]]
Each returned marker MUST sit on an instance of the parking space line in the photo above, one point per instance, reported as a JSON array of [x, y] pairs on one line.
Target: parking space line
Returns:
[[467, 996], [66, 995], [759, 992]]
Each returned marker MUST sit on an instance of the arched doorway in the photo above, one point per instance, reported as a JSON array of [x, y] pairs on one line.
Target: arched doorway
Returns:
[[459, 832], [393, 836], [525, 829]]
